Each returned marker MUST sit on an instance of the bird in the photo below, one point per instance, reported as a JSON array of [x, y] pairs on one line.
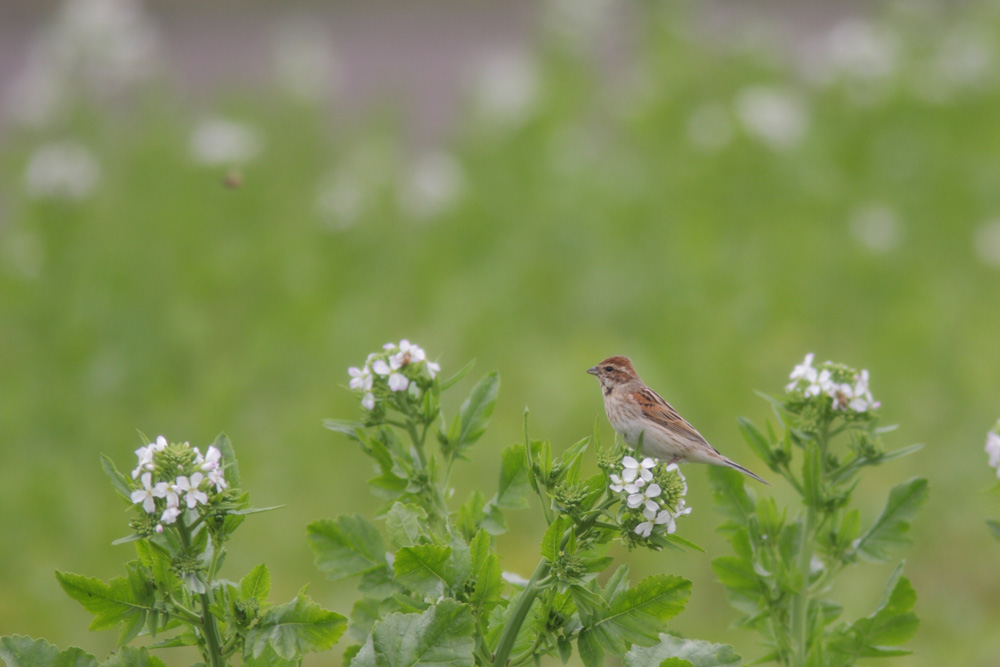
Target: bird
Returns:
[[635, 411]]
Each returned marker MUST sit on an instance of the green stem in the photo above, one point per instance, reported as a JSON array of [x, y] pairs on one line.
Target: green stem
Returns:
[[800, 605], [518, 614], [209, 626]]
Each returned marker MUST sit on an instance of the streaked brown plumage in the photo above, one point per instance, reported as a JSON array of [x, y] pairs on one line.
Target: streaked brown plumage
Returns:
[[634, 409]]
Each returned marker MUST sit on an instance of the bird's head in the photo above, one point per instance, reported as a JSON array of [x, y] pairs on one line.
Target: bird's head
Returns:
[[614, 371]]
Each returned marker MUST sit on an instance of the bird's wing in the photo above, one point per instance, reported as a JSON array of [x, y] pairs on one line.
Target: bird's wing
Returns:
[[658, 410]]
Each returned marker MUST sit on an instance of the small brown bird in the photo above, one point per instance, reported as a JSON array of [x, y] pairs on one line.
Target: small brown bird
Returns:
[[634, 409]]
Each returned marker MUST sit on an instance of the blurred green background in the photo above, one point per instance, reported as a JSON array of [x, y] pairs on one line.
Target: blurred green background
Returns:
[[207, 214]]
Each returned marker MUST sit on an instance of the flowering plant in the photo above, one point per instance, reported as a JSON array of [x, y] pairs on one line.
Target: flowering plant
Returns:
[[783, 566], [993, 452], [433, 572], [187, 506]]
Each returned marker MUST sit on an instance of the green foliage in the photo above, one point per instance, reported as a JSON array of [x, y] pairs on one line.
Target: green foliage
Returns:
[[439, 596], [785, 560], [187, 505]]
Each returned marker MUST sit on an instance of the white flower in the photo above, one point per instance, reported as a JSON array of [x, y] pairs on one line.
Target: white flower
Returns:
[[192, 494], [633, 469], [644, 497], [382, 368], [170, 514], [993, 449], [360, 378], [63, 170], [217, 141], [617, 485], [433, 369], [159, 528], [145, 494], [506, 87], [168, 490], [803, 371], [408, 354], [145, 456], [773, 115], [368, 402], [212, 459], [216, 477], [398, 382]]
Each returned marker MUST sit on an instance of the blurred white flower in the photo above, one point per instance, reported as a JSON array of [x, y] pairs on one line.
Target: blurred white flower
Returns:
[[341, 199], [217, 141], [578, 22], [986, 243], [710, 127], [863, 50], [170, 514], [774, 115], [876, 227], [304, 60], [368, 401], [993, 448], [965, 60], [505, 87], [63, 170], [398, 382], [846, 387], [433, 184], [360, 378], [94, 47]]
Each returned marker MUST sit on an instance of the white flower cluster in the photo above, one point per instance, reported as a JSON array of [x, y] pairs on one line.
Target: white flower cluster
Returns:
[[993, 447], [642, 493], [187, 490], [846, 387], [397, 366]]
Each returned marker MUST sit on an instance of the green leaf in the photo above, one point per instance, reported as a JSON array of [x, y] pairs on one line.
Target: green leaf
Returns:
[[486, 573], [462, 372], [423, 568], [732, 498], [590, 649], [267, 658], [514, 486], [294, 628], [440, 636], [693, 652], [890, 528], [891, 624], [346, 546], [994, 527], [22, 651], [552, 540], [736, 573], [256, 585], [476, 410], [345, 426], [404, 523], [118, 480], [637, 615], [132, 656], [903, 451], [124, 600], [229, 460], [757, 441]]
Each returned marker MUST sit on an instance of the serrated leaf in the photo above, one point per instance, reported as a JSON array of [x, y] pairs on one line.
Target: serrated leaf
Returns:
[[124, 600], [590, 649], [424, 569], [22, 651], [132, 656], [552, 540], [267, 658], [891, 624], [440, 636], [476, 410], [404, 523], [346, 546], [296, 627], [514, 486], [637, 615], [256, 585], [487, 575], [118, 480], [890, 527], [692, 652]]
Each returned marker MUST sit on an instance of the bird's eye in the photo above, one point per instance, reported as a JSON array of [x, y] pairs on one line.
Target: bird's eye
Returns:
[[608, 369]]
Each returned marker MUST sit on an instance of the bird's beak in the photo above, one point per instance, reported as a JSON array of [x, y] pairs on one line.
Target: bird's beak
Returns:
[[592, 370]]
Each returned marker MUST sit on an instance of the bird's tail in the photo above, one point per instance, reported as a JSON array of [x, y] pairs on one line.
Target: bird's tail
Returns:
[[733, 464]]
